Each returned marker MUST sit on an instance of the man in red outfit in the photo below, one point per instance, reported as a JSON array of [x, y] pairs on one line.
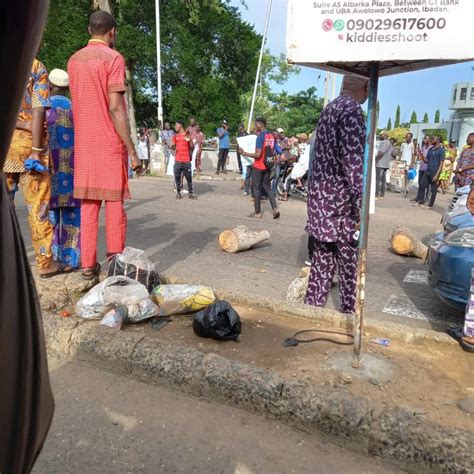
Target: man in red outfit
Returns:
[[102, 139]]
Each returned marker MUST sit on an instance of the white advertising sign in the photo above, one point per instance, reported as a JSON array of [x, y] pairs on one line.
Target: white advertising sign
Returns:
[[403, 35]]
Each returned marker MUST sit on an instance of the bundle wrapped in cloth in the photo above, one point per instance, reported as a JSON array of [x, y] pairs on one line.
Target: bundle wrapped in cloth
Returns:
[[182, 299]]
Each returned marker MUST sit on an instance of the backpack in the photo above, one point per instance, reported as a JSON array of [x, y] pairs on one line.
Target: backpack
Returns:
[[270, 155]]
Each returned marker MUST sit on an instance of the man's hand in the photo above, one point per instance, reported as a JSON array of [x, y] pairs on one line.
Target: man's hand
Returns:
[[241, 151], [435, 178], [20, 125], [136, 164]]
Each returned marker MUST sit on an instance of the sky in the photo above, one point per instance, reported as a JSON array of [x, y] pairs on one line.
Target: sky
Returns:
[[422, 91]]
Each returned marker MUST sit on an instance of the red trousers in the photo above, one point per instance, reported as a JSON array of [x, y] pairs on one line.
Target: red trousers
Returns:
[[115, 229]]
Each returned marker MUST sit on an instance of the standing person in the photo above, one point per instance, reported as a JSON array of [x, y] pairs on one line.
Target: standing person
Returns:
[[465, 165], [224, 145], [282, 143], [241, 133], [26, 167], [144, 149], [166, 136], [408, 150], [183, 145], [199, 144], [260, 173], [102, 140], [423, 156], [448, 166], [382, 164], [435, 158], [192, 127], [65, 213], [335, 195]]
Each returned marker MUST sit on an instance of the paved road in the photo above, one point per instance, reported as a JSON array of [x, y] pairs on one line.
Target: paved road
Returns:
[[180, 237], [106, 423]]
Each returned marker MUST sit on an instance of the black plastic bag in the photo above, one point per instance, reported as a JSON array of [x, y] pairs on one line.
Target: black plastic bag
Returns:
[[218, 321], [134, 264]]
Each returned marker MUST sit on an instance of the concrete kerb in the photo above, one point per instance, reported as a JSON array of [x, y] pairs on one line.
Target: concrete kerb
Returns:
[[330, 318], [409, 440]]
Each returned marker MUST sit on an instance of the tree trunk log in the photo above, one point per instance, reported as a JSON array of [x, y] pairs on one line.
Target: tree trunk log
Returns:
[[241, 238], [405, 243]]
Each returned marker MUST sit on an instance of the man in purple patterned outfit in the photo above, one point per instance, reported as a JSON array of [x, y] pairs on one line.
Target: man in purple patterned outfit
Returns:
[[335, 193]]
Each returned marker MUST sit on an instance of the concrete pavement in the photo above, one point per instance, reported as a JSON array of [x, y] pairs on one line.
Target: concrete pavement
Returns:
[[106, 423], [181, 238]]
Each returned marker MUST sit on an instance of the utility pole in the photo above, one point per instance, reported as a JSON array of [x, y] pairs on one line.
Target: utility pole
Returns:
[[262, 47], [158, 67]]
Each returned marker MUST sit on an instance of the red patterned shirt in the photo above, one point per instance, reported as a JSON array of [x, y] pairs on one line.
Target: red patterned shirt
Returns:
[[101, 160]]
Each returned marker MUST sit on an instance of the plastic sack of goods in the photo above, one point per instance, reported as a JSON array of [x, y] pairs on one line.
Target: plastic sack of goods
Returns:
[[113, 291], [134, 264], [182, 299]]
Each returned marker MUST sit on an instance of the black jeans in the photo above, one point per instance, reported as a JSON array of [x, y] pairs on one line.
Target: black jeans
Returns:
[[179, 169], [426, 184], [248, 177], [261, 179], [380, 181], [222, 159], [420, 179]]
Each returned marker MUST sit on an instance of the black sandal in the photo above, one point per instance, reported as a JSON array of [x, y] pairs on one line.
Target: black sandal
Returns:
[[91, 273], [276, 214], [60, 270]]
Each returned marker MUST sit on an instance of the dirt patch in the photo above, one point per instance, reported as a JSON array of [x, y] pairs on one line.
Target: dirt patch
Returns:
[[426, 381]]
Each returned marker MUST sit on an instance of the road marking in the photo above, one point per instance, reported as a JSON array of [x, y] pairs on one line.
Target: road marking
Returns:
[[417, 276], [421, 308]]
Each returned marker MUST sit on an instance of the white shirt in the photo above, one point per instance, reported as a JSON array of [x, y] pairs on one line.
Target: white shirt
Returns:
[[407, 151]]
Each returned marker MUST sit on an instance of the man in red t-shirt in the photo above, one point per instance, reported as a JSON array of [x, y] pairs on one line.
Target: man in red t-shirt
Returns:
[[260, 172], [183, 144]]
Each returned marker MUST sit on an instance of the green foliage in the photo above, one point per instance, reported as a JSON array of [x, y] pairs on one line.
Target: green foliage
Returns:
[[399, 134], [209, 54], [397, 117], [413, 118], [439, 132], [437, 118], [389, 124], [426, 119]]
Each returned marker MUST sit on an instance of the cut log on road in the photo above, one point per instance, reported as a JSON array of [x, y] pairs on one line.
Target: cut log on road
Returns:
[[241, 238], [405, 243]]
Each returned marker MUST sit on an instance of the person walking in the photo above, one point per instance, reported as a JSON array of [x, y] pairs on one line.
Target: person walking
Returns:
[[241, 133], [382, 164], [102, 140], [335, 195], [435, 158], [224, 145], [27, 167], [260, 173], [65, 211], [183, 145]]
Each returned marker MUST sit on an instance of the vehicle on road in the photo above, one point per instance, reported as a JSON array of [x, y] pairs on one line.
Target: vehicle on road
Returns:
[[284, 181], [451, 253]]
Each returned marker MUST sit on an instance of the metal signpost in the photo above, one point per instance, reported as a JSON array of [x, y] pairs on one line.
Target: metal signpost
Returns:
[[375, 39]]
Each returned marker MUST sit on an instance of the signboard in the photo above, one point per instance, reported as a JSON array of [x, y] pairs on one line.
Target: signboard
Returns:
[[398, 169], [403, 35]]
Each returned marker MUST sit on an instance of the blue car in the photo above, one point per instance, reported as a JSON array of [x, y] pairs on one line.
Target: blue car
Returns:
[[451, 253]]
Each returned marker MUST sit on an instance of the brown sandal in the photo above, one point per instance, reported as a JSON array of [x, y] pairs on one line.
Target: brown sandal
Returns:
[[91, 273]]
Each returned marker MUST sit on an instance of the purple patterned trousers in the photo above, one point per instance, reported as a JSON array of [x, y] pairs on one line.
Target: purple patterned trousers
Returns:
[[326, 257]]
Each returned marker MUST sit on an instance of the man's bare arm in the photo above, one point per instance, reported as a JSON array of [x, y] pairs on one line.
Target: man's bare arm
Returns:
[[37, 130], [119, 119]]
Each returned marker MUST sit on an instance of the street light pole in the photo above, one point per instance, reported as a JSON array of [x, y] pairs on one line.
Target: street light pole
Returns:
[[257, 76], [158, 65]]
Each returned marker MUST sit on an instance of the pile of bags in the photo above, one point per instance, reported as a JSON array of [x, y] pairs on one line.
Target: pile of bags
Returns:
[[132, 292]]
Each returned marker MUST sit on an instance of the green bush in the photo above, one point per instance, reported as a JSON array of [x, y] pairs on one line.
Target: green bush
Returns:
[[399, 134]]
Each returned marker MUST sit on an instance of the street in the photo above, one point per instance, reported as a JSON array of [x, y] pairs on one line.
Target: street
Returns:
[[180, 237], [108, 423]]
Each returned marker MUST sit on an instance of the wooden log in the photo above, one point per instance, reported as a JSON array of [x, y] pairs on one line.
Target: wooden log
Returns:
[[405, 243], [241, 238]]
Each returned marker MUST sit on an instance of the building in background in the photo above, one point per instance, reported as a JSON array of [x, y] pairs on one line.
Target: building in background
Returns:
[[461, 121]]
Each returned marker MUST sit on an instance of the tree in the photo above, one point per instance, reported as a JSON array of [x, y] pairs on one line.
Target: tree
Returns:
[[439, 132], [437, 118], [209, 54], [389, 124], [397, 117], [414, 118], [399, 134], [426, 119]]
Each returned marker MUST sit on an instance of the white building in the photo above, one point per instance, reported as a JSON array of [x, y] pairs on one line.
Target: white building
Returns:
[[461, 121]]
